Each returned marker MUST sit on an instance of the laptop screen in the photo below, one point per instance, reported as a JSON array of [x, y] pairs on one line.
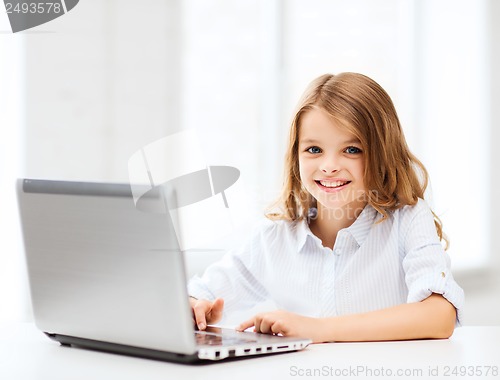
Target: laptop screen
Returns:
[[101, 269]]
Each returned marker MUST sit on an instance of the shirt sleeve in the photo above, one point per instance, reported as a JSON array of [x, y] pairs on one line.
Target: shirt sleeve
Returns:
[[426, 264], [235, 277]]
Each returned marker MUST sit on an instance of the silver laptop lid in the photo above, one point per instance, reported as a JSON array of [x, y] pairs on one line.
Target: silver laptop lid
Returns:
[[101, 269]]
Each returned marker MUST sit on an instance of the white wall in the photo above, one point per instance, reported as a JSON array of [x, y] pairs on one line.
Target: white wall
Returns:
[[12, 271], [482, 287], [482, 296], [494, 44]]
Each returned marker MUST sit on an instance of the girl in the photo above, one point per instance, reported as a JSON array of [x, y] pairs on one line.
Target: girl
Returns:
[[354, 253]]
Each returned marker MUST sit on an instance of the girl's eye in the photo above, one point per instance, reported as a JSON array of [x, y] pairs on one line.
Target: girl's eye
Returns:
[[314, 150], [352, 150]]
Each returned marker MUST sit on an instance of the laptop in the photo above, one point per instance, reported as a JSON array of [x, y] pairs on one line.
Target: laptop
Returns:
[[105, 275]]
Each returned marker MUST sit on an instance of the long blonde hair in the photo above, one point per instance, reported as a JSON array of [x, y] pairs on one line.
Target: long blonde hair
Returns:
[[393, 177]]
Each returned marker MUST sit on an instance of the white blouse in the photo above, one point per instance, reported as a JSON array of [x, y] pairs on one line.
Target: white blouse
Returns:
[[372, 266]]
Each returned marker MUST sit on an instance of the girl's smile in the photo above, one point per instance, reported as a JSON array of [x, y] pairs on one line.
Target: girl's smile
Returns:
[[332, 184]]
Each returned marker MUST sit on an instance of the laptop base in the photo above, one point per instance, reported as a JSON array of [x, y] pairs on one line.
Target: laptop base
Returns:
[[115, 348], [146, 353]]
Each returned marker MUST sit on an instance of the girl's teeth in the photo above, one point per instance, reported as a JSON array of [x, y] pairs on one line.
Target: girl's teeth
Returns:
[[332, 184]]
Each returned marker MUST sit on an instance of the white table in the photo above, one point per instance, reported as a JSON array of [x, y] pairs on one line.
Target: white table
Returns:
[[26, 354]]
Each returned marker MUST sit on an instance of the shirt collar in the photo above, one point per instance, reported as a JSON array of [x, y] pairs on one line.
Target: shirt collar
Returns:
[[362, 225], [303, 233], [359, 229]]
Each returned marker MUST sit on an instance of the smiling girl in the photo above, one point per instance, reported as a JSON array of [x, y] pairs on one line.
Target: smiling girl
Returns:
[[354, 252]]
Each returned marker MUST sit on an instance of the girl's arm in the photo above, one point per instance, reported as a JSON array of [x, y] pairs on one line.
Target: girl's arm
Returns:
[[433, 317]]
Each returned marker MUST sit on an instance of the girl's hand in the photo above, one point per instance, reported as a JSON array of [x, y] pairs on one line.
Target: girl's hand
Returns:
[[206, 312], [287, 324]]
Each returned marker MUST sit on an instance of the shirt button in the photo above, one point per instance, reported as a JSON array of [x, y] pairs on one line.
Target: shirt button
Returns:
[[443, 274], [337, 251]]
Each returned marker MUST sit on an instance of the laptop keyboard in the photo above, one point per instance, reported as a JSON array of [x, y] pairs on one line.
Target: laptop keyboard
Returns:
[[210, 339]]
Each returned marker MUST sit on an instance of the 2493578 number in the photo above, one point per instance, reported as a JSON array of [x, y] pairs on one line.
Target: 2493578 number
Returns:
[[471, 370], [33, 8]]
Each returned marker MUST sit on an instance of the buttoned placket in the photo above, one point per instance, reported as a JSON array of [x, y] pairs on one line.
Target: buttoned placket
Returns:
[[328, 286], [345, 246], [332, 260]]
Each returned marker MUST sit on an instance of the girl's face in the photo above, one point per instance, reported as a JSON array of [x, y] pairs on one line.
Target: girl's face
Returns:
[[331, 163]]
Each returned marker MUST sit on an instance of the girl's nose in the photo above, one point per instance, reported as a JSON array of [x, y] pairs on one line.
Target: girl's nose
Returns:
[[329, 165], [329, 171]]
